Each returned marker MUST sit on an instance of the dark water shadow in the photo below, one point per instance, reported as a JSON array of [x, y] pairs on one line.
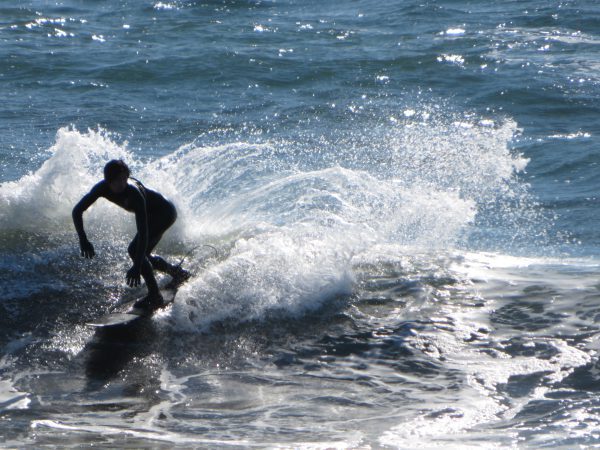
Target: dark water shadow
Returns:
[[112, 348]]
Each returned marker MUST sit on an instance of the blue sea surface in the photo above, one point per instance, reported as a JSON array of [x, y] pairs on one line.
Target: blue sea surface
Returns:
[[389, 209]]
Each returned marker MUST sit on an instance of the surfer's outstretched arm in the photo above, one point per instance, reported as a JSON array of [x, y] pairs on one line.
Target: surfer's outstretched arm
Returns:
[[87, 249]]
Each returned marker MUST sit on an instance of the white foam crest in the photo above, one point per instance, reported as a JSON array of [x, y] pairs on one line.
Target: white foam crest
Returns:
[[222, 190], [44, 199], [294, 232], [275, 270], [458, 156], [108, 428], [10, 397], [300, 233], [205, 183]]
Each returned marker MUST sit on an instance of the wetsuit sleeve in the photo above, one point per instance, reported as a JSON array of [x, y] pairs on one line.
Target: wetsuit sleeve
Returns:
[[87, 201], [138, 203]]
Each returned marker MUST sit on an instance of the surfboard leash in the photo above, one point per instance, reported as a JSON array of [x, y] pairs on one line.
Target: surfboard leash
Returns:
[[193, 250]]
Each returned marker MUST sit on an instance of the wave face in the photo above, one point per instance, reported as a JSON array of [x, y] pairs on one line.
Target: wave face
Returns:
[[288, 220]]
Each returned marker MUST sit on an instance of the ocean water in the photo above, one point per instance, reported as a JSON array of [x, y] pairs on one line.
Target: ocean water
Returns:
[[390, 210]]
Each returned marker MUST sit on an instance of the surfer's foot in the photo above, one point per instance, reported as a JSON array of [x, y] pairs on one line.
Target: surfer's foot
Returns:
[[150, 301], [179, 276]]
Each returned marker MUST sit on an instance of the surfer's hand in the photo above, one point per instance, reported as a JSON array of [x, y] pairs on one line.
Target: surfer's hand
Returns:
[[87, 249], [133, 277]]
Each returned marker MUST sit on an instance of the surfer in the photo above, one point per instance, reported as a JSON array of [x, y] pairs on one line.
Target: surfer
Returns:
[[154, 214]]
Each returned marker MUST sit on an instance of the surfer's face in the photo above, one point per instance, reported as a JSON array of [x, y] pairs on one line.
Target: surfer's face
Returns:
[[118, 184]]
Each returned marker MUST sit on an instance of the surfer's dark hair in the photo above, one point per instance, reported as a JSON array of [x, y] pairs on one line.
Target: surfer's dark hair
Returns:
[[114, 169]]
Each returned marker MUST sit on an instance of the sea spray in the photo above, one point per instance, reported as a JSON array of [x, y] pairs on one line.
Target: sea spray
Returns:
[[290, 218]]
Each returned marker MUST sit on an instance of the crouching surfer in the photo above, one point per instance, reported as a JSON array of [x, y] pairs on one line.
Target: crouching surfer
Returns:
[[154, 214]]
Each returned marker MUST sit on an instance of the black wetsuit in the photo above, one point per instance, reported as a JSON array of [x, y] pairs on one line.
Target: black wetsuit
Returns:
[[154, 214]]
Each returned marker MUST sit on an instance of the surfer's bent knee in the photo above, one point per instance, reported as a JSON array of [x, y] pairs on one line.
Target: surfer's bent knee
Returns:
[[168, 217]]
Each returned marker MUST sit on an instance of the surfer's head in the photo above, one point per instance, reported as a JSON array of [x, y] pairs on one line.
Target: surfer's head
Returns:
[[116, 174]]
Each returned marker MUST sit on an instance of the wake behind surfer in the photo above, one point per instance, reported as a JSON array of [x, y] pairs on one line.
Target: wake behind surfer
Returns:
[[154, 214]]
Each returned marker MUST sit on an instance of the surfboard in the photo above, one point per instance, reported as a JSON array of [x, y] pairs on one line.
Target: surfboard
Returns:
[[127, 313]]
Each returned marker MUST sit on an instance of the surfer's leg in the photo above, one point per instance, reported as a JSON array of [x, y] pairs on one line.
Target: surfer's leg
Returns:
[[157, 262], [177, 273], [150, 279], [156, 230], [146, 269]]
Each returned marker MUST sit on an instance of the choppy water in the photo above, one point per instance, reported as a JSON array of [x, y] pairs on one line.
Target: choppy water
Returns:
[[391, 207]]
